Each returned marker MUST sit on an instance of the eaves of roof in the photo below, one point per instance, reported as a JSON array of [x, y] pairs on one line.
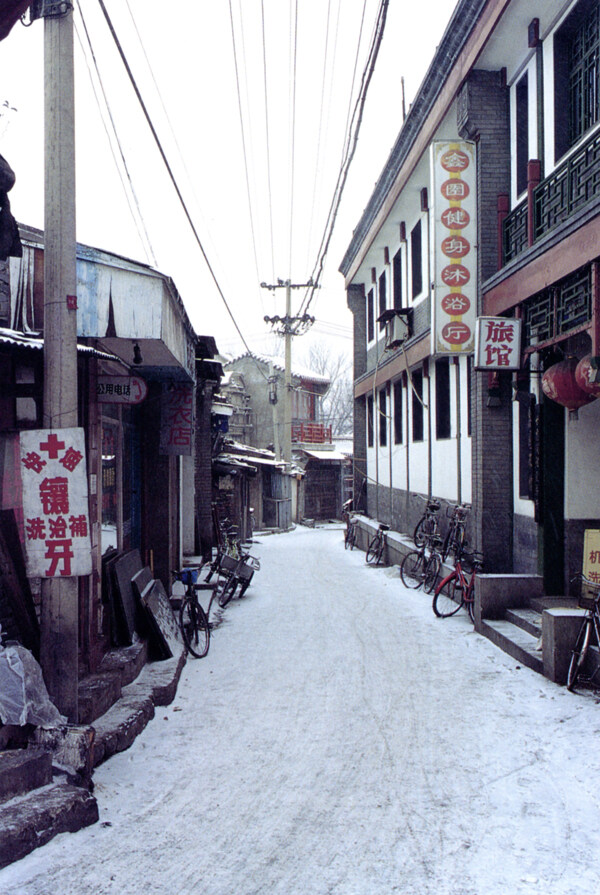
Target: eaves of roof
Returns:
[[456, 35]]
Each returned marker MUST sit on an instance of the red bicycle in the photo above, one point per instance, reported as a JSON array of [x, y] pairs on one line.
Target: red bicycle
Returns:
[[458, 588]]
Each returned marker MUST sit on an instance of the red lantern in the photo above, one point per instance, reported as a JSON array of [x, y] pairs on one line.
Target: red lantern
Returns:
[[585, 376], [559, 384]]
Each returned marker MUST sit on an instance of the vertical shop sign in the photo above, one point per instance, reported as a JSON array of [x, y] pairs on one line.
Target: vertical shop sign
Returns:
[[497, 344], [55, 503], [591, 555], [455, 247], [177, 418]]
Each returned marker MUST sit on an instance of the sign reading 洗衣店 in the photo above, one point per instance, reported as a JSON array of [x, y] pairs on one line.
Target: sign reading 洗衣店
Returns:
[[55, 503], [177, 418], [454, 180]]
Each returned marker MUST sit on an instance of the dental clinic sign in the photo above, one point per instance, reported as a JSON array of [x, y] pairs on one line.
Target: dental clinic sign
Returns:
[[454, 172], [55, 503]]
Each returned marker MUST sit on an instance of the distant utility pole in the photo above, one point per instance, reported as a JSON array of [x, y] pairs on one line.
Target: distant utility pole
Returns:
[[287, 327], [60, 596]]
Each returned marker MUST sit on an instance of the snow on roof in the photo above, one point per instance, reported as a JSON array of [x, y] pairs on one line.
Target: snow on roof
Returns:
[[279, 364]]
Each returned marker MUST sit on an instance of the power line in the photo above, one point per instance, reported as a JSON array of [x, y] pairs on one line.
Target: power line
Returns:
[[130, 194], [343, 174], [264, 45], [169, 169], [244, 151]]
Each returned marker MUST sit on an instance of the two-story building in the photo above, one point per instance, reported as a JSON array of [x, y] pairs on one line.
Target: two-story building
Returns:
[[314, 489], [488, 208]]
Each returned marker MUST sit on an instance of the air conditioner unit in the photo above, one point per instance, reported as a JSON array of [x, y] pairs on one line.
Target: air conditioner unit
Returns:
[[398, 323]]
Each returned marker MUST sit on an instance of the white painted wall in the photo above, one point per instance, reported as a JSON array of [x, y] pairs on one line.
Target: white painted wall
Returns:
[[582, 452]]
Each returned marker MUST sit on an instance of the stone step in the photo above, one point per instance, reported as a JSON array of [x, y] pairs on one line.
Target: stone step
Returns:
[[98, 692], [514, 641], [22, 770], [529, 620], [31, 820], [541, 603]]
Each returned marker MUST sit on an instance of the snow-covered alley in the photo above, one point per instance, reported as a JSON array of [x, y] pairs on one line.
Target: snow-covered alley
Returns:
[[339, 738]]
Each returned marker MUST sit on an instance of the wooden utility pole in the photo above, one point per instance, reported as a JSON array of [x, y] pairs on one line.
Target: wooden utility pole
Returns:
[[287, 397], [60, 623], [287, 327]]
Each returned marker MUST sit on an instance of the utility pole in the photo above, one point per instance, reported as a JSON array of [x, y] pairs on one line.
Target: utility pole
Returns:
[[287, 327], [60, 596]]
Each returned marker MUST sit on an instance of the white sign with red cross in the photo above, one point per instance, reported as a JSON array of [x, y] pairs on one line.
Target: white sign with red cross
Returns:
[[497, 344], [55, 503], [454, 238]]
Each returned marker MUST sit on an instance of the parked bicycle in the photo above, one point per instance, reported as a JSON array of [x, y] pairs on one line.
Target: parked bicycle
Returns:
[[193, 620], [454, 541], [428, 525], [458, 588], [421, 568], [351, 532], [590, 630], [377, 544], [237, 573]]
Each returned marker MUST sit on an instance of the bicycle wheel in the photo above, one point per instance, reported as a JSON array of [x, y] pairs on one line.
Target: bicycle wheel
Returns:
[[350, 538], [579, 653], [425, 529], [448, 603], [431, 573], [470, 604], [226, 590], [194, 627], [374, 550], [244, 586], [411, 570]]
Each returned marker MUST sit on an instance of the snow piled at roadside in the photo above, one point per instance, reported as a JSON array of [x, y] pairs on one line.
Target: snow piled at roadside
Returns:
[[338, 738]]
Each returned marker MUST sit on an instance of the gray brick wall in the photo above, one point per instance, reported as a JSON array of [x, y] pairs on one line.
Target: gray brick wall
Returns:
[[4, 294], [483, 116], [357, 304]]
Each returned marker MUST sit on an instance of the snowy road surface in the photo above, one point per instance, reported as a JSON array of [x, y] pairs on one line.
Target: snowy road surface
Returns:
[[339, 738]]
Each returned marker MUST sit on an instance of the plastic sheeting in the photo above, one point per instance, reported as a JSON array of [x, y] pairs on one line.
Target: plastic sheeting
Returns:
[[23, 695]]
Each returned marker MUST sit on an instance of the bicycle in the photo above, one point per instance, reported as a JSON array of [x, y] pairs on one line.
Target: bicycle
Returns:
[[590, 601], [377, 544], [454, 542], [458, 588], [193, 620], [422, 569], [351, 532], [428, 525], [238, 573]]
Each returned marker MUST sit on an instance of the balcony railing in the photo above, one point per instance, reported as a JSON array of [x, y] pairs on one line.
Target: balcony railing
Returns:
[[568, 189], [514, 233], [311, 433]]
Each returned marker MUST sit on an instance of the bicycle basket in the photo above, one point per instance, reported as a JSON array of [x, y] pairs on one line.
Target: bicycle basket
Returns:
[[229, 563], [589, 595], [471, 561], [189, 576]]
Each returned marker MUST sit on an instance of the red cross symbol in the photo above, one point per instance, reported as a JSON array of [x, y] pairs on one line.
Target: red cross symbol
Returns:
[[52, 446]]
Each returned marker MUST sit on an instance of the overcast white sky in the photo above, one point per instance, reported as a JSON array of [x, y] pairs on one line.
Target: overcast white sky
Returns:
[[188, 55]]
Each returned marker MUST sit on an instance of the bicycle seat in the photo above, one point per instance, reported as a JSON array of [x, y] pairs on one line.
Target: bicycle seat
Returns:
[[383, 527], [433, 505]]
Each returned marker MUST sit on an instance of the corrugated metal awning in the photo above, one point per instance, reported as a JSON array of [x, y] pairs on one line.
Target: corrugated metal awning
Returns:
[[23, 340]]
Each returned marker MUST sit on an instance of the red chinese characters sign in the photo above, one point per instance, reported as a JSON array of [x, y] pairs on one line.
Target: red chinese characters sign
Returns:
[[455, 253], [55, 503], [497, 344], [177, 418]]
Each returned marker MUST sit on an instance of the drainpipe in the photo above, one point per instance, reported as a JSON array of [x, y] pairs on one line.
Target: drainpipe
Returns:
[[458, 434]]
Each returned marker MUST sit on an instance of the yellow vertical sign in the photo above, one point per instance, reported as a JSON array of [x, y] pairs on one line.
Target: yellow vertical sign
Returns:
[[591, 555]]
